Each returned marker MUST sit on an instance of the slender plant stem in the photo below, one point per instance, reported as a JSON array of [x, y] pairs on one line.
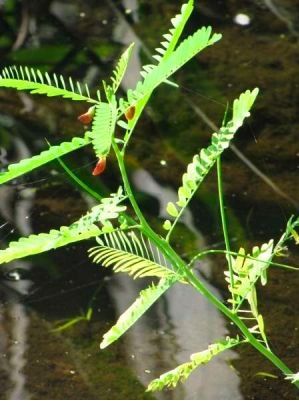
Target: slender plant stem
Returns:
[[127, 186], [132, 124], [78, 181], [224, 228], [200, 255]]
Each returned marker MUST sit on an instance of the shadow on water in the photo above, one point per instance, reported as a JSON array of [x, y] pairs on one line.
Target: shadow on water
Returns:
[[38, 293]]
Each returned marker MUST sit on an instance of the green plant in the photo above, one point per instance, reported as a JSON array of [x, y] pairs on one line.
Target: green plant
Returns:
[[129, 244]]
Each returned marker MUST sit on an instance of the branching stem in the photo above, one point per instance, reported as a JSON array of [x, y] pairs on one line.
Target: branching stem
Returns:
[[181, 267]]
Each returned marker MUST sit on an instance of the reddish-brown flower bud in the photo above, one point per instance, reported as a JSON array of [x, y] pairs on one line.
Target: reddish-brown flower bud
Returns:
[[100, 166], [87, 117], [130, 113]]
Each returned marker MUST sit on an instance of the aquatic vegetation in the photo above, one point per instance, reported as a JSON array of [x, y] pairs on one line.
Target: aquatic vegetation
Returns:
[[129, 244]]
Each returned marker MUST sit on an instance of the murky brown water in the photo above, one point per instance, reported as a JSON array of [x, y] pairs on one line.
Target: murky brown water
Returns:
[[83, 39]]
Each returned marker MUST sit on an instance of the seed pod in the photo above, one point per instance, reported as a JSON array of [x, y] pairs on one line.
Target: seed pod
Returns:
[[100, 166], [130, 113], [87, 117]]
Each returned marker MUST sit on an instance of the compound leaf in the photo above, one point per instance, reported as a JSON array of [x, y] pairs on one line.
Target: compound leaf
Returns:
[[130, 253], [204, 161], [182, 372], [28, 79], [81, 229], [184, 52], [26, 165], [145, 300], [103, 127], [121, 68]]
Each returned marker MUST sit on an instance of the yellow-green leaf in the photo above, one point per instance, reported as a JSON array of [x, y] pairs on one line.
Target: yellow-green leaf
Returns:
[[172, 210]]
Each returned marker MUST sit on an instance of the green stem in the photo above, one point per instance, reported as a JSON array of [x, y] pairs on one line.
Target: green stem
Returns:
[[139, 109], [79, 182], [224, 228], [127, 186], [217, 251]]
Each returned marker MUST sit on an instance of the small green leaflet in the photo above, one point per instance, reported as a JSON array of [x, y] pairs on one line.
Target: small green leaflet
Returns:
[[171, 209]]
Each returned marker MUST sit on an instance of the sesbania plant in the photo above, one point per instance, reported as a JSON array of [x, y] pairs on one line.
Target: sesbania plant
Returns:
[[129, 244]]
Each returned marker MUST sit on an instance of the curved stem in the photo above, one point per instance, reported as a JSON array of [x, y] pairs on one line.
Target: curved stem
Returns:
[[78, 181]]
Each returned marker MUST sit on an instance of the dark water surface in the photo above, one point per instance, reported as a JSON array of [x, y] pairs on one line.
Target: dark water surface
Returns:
[[83, 39]]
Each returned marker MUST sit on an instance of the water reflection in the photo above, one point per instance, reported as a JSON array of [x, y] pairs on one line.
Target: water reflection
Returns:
[[14, 336], [17, 351], [15, 207]]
